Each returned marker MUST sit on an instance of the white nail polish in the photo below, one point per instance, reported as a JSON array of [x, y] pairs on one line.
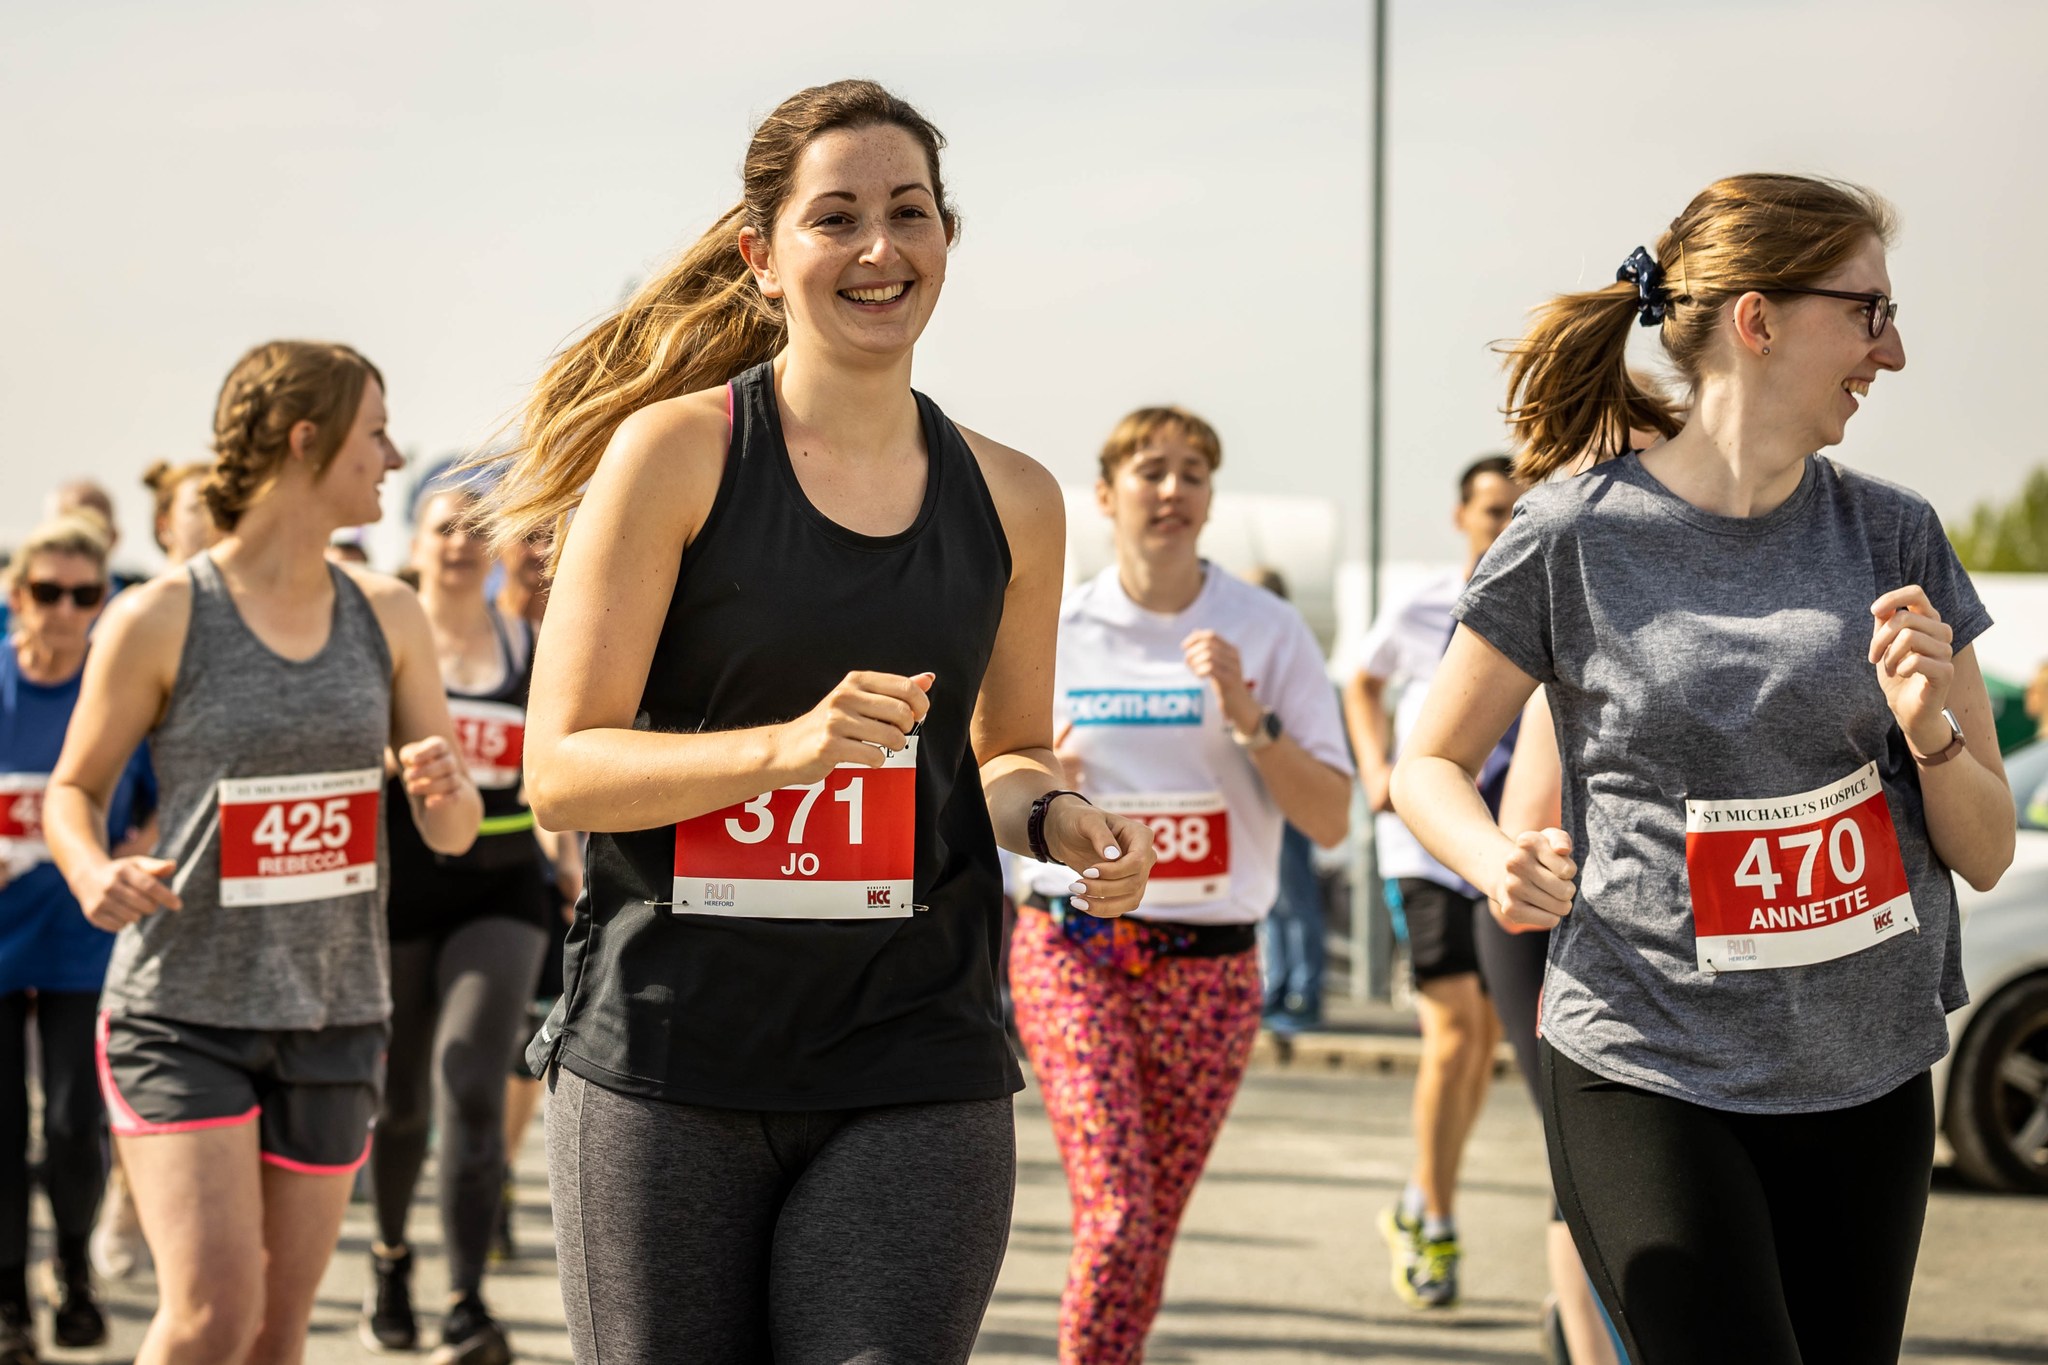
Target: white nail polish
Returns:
[[1111, 852]]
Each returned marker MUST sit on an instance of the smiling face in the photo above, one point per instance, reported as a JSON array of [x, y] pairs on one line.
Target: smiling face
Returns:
[[1823, 359], [352, 484], [858, 251], [447, 548], [1158, 497]]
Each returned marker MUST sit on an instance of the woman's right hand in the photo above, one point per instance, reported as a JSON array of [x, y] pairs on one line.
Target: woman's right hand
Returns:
[[863, 720], [119, 891], [1534, 889]]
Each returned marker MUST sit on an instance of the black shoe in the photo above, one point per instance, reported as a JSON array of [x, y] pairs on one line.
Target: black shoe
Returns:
[[470, 1337], [17, 1335], [78, 1320], [388, 1323]]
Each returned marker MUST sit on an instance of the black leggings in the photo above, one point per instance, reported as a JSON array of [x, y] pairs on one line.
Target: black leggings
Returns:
[[1511, 965], [1771, 1239], [458, 1007], [732, 1236], [74, 1121]]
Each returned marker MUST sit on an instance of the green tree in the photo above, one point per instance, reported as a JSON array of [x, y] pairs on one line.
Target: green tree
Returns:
[[2008, 538]]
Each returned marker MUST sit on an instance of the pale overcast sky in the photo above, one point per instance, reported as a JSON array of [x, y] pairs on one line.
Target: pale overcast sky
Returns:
[[1163, 202]]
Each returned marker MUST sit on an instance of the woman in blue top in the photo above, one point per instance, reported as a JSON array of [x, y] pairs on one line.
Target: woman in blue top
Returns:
[[51, 959]]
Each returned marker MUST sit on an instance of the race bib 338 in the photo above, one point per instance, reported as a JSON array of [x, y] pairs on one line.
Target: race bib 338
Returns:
[[1190, 839], [1789, 881]]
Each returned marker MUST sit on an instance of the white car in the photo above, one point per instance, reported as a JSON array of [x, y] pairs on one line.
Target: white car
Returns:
[[1991, 1091]]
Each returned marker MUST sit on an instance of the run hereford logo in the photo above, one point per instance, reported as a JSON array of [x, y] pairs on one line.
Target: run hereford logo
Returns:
[[718, 894]]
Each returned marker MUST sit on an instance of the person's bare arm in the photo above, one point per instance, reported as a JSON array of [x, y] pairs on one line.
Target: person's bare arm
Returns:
[[1970, 817], [1472, 701], [446, 806], [129, 674], [1314, 796], [1013, 727], [1371, 729], [1532, 796]]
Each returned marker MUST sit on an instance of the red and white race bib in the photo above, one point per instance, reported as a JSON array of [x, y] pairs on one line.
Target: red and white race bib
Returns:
[[841, 848], [1190, 839], [1789, 881], [21, 821], [289, 839], [492, 737]]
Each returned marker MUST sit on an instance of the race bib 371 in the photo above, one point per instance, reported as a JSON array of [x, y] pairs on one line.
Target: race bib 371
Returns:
[[844, 847]]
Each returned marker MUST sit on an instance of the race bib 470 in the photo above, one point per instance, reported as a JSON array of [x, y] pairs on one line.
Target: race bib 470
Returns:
[[289, 839], [1789, 881], [844, 847]]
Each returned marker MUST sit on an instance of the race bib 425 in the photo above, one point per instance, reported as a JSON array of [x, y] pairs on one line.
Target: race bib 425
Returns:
[[289, 839], [21, 821], [844, 847], [1793, 880]]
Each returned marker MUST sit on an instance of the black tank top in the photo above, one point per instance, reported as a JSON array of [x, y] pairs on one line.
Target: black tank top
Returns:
[[490, 728], [773, 605]]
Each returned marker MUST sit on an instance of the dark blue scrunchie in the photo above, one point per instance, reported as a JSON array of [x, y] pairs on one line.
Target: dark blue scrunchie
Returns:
[[1648, 277]]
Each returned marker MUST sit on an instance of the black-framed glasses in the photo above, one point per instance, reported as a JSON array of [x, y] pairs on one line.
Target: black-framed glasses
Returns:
[[1880, 309], [84, 596]]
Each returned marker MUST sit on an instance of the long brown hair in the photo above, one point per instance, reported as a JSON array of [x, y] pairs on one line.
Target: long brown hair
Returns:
[[693, 326], [272, 389], [1570, 391], [163, 480]]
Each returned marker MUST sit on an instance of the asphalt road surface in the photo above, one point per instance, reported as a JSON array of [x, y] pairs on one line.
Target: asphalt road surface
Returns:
[[1278, 1260]]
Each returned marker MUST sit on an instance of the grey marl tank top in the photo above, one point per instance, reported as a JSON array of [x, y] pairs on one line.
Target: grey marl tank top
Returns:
[[271, 771]]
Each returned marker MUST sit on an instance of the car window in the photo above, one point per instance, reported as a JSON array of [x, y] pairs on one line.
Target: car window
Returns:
[[2028, 770]]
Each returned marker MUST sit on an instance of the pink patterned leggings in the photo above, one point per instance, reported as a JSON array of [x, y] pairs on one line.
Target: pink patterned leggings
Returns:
[[1137, 1073]]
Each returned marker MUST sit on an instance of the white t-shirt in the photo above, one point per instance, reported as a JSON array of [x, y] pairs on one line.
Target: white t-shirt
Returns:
[[1154, 742], [1402, 650]]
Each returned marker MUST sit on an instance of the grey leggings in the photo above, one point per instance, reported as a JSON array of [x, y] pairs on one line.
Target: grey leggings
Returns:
[[732, 1237], [458, 1007]]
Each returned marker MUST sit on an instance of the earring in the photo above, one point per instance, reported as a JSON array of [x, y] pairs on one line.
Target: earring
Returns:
[[1767, 350]]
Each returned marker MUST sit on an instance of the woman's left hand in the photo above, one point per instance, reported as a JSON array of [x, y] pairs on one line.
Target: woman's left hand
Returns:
[[1914, 654], [1215, 660], [431, 771], [1112, 853]]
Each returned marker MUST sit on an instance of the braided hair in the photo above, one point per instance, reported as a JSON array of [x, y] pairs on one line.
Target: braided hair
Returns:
[[270, 390]]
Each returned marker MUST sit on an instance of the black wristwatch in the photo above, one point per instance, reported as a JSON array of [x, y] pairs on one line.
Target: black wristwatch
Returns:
[[1034, 828], [1263, 733]]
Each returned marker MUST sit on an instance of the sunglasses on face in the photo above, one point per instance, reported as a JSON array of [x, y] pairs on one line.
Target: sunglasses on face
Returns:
[[1878, 309], [84, 596]]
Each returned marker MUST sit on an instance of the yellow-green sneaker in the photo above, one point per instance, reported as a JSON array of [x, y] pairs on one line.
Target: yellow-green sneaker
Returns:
[[1404, 1239], [1433, 1276]]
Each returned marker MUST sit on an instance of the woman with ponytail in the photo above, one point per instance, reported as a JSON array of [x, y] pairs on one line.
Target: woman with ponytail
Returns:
[[1775, 745], [796, 677]]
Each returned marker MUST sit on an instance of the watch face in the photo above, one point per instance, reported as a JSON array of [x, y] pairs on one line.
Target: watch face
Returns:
[[1272, 725]]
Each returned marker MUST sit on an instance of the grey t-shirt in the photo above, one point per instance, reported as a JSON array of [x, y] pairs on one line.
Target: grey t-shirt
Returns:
[[1690, 655]]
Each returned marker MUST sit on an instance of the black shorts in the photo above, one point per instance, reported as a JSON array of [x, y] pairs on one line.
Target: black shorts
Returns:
[[1439, 929], [313, 1092]]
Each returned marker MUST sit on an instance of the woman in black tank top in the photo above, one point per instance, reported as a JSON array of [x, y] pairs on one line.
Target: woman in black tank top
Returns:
[[797, 677], [468, 933]]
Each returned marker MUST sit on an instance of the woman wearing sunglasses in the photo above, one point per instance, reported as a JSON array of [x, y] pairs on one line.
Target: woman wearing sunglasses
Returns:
[[1775, 743], [51, 960]]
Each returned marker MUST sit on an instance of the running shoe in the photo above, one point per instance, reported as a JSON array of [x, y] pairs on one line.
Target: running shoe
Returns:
[[78, 1321], [17, 1335], [1432, 1281], [470, 1337], [116, 1247], [1403, 1237], [388, 1323]]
